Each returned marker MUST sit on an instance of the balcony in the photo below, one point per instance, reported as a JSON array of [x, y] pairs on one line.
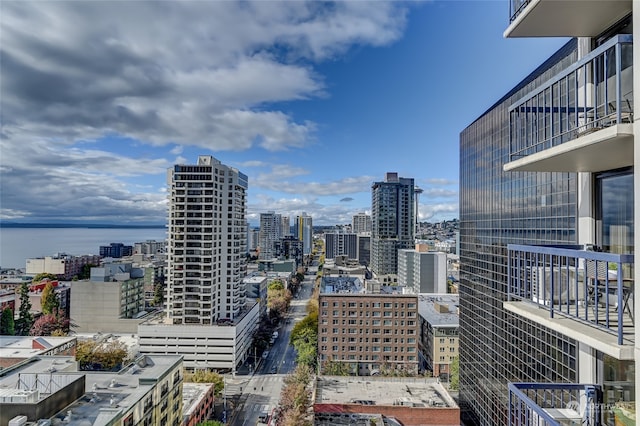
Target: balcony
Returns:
[[554, 404], [586, 295], [564, 18], [579, 120]]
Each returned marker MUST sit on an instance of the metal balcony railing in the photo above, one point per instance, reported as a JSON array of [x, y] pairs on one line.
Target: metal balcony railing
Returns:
[[594, 93], [554, 404], [515, 7], [592, 287]]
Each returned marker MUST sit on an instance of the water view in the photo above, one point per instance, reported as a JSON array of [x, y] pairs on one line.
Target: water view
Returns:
[[19, 244]]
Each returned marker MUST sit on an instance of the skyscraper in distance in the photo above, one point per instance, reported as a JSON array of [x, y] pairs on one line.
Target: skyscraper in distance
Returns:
[[304, 232], [270, 232], [361, 222], [392, 217]]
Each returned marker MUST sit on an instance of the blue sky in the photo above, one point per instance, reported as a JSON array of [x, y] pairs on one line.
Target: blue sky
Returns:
[[313, 101]]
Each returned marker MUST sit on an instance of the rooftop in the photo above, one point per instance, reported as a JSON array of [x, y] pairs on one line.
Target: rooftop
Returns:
[[342, 285], [386, 391], [28, 346], [439, 310], [191, 394], [106, 394]]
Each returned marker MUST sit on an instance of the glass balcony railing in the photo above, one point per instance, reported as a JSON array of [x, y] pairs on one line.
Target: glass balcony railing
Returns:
[[592, 287], [555, 404], [594, 93]]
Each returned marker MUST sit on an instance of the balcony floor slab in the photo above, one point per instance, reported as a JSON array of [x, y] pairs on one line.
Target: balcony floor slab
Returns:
[[604, 149], [589, 335], [567, 18]]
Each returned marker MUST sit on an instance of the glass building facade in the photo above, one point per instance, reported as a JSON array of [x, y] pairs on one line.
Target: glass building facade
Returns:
[[499, 208]]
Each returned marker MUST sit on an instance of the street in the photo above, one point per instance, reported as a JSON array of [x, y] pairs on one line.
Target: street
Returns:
[[260, 392]]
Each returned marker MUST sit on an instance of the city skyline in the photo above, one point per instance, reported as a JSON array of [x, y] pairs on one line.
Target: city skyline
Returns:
[[313, 101]]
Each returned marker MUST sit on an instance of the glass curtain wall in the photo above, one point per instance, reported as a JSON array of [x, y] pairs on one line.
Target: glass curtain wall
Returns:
[[498, 208]]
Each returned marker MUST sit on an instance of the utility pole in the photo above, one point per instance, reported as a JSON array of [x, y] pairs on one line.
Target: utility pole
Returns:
[[224, 400]]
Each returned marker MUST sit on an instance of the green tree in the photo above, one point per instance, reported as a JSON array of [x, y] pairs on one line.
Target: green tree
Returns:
[[7, 325], [25, 319], [205, 376], [295, 398], [158, 294], [43, 276], [49, 301], [105, 356], [278, 299], [85, 273], [335, 368], [454, 374]]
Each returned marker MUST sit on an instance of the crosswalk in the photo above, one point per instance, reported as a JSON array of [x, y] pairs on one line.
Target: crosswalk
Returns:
[[259, 382]]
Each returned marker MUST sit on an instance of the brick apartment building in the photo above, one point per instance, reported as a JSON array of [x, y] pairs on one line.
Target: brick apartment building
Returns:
[[368, 331]]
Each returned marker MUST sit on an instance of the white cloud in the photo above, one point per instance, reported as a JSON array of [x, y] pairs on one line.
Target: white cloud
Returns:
[[174, 75]]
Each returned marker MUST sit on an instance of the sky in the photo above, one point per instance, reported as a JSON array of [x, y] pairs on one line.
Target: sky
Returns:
[[314, 101]]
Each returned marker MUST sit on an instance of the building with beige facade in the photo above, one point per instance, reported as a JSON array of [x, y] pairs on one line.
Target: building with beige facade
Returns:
[[63, 265], [51, 390], [112, 301], [439, 339]]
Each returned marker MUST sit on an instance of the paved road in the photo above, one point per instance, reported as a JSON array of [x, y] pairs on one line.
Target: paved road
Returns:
[[261, 392]]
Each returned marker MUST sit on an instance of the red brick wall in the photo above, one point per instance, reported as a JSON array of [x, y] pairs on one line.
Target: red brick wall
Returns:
[[409, 416]]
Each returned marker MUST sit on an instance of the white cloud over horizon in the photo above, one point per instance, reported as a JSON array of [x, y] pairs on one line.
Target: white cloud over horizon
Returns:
[[100, 98]]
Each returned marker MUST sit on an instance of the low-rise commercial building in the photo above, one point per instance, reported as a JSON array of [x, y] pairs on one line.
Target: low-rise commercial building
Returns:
[[412, 401], [17, 349]]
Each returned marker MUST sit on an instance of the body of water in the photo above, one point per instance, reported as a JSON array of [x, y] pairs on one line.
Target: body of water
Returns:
[[19, 244]]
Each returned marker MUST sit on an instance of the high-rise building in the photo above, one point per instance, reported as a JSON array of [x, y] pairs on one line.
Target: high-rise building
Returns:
[[361, 222], [289, 248], [341, 244], [547, 175], [253, 239], [207, 242], [421, 271], [270, 232], [304, 232], [208, 319], [392, 216], [286, 226], [364, 249]]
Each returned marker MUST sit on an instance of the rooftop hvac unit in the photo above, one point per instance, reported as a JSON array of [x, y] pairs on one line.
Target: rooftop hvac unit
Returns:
[[18, 421]]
